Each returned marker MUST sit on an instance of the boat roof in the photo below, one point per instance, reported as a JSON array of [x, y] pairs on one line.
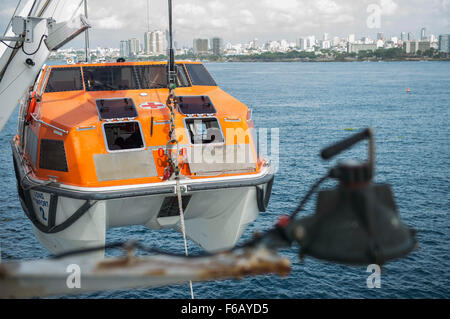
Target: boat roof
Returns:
[[85, 64], [68, 109]]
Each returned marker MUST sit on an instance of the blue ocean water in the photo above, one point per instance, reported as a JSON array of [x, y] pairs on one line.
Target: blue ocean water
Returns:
[[314, 104]]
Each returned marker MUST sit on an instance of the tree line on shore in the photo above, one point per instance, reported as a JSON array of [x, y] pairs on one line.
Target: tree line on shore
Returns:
[[396, 54], [381, 54]]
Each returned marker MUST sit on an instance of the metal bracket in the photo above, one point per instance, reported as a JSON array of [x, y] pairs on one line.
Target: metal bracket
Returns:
[[183, 189], [23, 28]]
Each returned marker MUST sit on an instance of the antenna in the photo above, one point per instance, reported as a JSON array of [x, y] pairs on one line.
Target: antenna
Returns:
[[86, 34], [148, 15], [172, 73]]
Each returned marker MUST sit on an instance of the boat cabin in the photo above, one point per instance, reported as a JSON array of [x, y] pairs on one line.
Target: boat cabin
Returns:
[[97, 125]]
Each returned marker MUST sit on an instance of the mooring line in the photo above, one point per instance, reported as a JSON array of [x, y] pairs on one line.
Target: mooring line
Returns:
[[183, 229]]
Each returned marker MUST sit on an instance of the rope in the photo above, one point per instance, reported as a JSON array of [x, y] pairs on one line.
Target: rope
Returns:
[[173, 167], [183, 228]]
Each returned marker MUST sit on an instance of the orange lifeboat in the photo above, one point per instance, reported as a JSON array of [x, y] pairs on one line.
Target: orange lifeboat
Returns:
[[97, 154]]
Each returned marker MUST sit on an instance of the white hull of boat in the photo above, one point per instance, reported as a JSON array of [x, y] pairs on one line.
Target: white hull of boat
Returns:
[[215, 220], [216, 210]]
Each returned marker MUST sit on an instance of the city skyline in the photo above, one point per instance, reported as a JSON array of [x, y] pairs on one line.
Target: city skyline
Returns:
[[241, 21], [324, 41], [410, 45]]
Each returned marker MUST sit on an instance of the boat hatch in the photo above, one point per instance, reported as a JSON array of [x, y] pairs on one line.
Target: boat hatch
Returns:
[[204, 130], [189, 105], [111, 109], [123, 136]]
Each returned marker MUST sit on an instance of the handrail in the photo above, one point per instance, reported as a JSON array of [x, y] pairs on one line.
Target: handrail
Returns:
[[49, 125]]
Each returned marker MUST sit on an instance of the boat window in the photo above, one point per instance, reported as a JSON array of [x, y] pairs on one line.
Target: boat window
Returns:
[[199, 75], [52, 155], [155, 76], [110, 78], [123, 136], [43, 86], [31, 144], [64, 79], [130, 77], [204, 131], [189, 105], [182, 78]]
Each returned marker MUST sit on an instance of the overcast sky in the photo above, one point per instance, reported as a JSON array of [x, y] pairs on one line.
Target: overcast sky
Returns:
[[243, 20]]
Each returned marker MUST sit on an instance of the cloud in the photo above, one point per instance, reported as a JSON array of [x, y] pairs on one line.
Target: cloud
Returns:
[[327, 6], [343, 18], [243, 20], [247, 17], [388, 7], [281, 5], [109, 23], [189, 9]]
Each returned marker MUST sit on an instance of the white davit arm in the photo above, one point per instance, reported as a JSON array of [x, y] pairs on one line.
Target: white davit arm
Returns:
[[78, 274], [41, 27]]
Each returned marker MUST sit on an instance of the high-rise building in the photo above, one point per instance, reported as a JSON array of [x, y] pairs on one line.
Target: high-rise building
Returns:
[[253, 44], [366, 40], [380, 36], [411, 36], [351, 38], [159, 43], [124, 49], [284, 45], [302, 44], [325, 44], [423, 46], [444, 43], [336, 41], [147, 42], [155, 43], [217, 46], [403, 36], [134, 47], [409, 47], [412, 47], [201, 46], [310, 42], [423, 34]]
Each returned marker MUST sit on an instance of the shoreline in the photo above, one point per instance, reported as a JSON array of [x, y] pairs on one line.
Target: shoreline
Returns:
[[330, 61], [283, 60]]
